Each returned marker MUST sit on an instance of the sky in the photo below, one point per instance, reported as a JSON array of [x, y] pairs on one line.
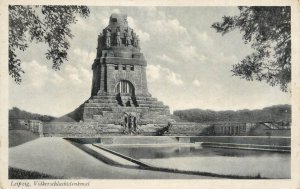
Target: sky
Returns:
[[188, 63]]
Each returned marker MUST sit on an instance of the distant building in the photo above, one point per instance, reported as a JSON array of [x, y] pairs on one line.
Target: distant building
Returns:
[[252, 129], [232, 128], [35, 126]]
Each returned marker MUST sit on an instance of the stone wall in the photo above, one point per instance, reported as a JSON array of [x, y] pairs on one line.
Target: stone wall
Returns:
[[270, 132], [250, 129], [232, 128], [96, 78], [65, 129], [137, 77], [187, 128], [35, 126], [259, 140], [90, 129]]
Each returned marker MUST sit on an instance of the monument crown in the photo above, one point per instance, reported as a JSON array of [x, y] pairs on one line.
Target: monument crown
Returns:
[[118, 34], [118, 19]]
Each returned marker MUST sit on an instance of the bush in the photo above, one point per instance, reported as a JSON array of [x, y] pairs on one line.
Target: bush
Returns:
[[14, 173]]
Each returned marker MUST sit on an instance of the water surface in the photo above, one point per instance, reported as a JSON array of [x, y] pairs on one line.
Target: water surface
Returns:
[[213, 160]]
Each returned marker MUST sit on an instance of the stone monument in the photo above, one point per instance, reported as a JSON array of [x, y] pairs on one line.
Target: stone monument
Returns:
[[119, 93]]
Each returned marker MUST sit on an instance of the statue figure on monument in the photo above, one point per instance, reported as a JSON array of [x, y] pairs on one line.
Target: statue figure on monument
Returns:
[[134, 38], [130, 124], [137, 42], [134, 124], [127, 38], [99, 38], [118, 37], [125, 123], [107, 36]]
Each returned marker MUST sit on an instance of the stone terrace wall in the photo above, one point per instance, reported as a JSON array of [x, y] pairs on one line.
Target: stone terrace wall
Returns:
[[259, 140], [280, 132], [73, 129], [91, 129], [188, 129], [271, 132]]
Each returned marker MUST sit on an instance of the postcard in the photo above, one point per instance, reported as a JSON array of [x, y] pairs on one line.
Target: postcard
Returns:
[[141, 94]]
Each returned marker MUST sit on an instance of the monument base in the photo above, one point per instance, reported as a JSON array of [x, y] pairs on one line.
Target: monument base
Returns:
[[112, 109]]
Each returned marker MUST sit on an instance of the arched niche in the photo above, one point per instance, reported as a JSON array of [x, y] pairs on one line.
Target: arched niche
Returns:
[[125, 87]]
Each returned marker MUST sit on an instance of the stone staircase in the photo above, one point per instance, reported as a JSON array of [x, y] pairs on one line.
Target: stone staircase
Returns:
[[105, 109]]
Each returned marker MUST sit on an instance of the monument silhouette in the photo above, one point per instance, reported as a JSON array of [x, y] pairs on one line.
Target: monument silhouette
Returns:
[[120, 93]]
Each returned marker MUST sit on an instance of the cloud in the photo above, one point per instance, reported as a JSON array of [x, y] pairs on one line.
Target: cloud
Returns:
[[131, 22], [85, 57], [143, 36], [117, 11], [105, 22], [72, 73], [224, 61], [157, 25], [169, 37], [158, 73], [203, 37], [168, 25], [196, 82], [165, 58], [78, 68], [36, 79], [153, 73], [190, 54], [41, 76], [174, 78]]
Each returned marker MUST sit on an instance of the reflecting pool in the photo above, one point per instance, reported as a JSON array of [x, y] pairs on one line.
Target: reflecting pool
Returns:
[[214, 160]]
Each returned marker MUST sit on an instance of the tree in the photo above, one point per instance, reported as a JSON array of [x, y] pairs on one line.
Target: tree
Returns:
[[268, 29], [276, 113], [16, 113], [48, 24]]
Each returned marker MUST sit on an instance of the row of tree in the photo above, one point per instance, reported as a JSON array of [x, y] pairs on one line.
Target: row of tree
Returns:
[[275, 113], [16, 113]]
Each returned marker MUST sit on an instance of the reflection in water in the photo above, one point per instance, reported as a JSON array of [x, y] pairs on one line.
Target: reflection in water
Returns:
[[214, 160]]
